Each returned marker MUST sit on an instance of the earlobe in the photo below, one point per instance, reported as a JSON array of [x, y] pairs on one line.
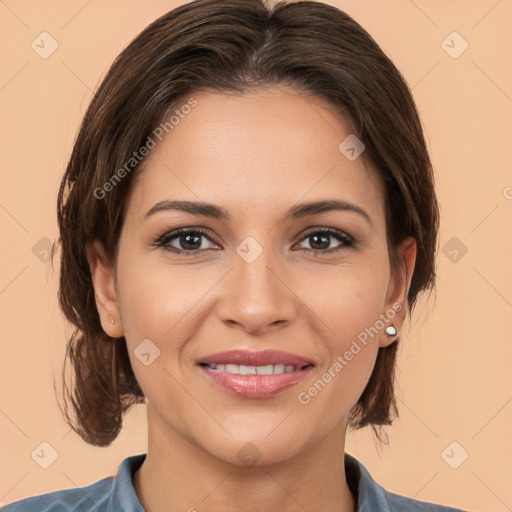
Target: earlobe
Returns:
[[398, 290], [104, 290]]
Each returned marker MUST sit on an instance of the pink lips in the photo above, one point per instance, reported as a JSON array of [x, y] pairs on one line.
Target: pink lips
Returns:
[[255, 386], [255, 358]]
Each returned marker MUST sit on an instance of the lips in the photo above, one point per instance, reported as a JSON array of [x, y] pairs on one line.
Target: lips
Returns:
[[255, 374], [256, 358]]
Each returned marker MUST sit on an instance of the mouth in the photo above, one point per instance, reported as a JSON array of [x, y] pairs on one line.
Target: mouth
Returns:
[[251, 374], [242, 369]]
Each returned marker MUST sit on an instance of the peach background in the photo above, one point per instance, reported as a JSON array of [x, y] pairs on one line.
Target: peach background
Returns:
[[455, 384]]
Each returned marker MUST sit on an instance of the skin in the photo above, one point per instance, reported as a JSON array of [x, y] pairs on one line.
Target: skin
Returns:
[[256, 155]]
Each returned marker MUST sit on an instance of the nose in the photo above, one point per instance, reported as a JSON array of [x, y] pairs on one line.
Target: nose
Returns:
[[255, 296]]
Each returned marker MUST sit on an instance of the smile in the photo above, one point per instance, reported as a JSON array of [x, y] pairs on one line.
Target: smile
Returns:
[[270, 369], [255, 374]]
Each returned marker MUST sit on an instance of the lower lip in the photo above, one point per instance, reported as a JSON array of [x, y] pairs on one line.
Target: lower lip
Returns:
[[255, 386]]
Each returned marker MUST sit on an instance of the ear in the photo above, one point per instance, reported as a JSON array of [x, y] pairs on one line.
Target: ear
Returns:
[[104, 290], [398, 289]]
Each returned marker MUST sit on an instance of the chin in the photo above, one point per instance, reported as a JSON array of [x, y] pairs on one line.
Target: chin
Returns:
[[255, 451]]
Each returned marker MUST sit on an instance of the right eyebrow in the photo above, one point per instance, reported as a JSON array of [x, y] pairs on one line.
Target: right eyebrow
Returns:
[[193, 207]]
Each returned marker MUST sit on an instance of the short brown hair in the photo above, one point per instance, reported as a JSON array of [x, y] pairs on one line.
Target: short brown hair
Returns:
[[231, 46]]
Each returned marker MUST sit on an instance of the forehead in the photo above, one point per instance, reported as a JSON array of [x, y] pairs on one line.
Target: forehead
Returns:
[[269, 148]]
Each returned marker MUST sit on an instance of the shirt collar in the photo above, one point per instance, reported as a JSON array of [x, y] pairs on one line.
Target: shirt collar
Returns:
[[123, 496], [370, 495]]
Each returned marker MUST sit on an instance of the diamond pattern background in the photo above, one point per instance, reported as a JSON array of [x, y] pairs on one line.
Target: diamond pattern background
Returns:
[[451, 443]]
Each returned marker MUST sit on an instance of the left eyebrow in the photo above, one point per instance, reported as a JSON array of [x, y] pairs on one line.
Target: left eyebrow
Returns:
[[296, 212], [314, 208]]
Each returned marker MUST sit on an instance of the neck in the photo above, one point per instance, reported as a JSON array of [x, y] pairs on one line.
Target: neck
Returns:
[[177, 474]]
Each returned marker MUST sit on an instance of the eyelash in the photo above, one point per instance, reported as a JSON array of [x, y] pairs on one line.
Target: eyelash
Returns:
[[163, 240]]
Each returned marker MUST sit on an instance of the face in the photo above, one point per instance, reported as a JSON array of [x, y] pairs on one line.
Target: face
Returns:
[[258, 272]]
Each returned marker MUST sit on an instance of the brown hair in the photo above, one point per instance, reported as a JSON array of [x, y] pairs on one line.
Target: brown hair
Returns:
[[231, 46]]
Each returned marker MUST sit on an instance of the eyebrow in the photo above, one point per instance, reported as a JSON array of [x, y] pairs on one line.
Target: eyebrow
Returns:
[[296, 212]]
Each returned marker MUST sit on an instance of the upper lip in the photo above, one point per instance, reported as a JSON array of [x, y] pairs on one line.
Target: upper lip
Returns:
[[256, 358]]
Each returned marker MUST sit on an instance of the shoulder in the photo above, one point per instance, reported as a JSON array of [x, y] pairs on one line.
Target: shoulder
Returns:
[[92, 498], [110, 494], [397, 502], [371, 496]]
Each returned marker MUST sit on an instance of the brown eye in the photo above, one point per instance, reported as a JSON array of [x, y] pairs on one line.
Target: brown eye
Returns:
[[321, 240], [184, 240]]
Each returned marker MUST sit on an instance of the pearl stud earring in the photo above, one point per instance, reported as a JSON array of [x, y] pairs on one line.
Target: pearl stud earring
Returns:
[[390, 331]]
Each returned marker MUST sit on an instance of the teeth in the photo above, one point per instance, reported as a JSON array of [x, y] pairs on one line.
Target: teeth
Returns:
[[243, 369], [265, 370], [278, 368], [247, 370]]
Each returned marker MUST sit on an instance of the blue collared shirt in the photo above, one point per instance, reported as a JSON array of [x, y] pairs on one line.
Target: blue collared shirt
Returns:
[[117, 494]]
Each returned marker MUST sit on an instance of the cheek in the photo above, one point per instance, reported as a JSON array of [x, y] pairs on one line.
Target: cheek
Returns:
[[159, 304], [349, 299], [349, 304], [165, 305], [156, 299], [352, 351]]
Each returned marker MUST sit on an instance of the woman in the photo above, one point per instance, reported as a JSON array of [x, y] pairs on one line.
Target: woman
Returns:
[[247, 217]]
